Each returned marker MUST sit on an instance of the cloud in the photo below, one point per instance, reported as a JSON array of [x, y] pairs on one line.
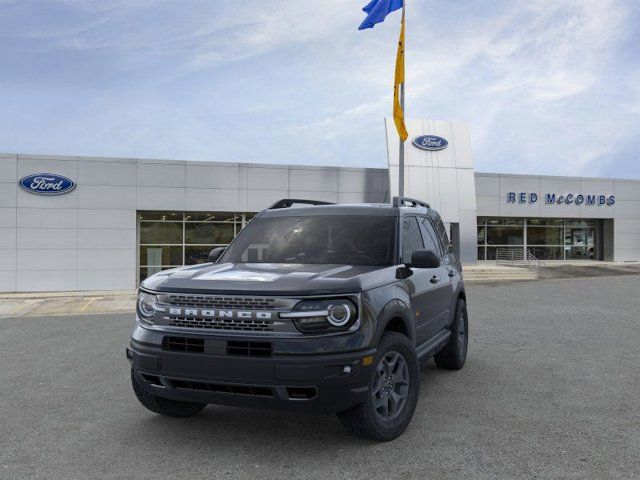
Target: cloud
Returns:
[[534, 52], [540, 82]]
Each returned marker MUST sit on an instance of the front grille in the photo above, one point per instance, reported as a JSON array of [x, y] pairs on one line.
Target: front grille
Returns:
[[183, 344], [220, 302], [249, 349], [252, 390], [222, 324], [228, 302], [213, 313]]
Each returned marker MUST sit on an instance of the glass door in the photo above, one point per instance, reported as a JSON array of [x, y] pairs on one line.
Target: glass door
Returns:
[[591, 237], [580, 243]]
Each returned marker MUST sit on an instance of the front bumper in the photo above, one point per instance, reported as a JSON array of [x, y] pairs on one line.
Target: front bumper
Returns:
[[312, 383]]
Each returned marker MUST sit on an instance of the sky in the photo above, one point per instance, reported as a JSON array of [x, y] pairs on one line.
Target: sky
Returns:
[[547, 86]]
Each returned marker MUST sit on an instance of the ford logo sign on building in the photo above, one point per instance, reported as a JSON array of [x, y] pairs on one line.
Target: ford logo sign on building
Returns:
[[430, 142], [46, 184]]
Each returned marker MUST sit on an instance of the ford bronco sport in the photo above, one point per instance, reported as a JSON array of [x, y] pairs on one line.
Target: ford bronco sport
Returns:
[[317, 308]]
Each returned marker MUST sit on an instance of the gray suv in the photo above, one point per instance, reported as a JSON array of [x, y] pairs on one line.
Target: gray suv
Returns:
[[313, 307]]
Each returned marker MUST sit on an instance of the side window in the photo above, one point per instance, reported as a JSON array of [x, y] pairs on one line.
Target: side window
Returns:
[[430, 237], [442, 232], [411, 238]]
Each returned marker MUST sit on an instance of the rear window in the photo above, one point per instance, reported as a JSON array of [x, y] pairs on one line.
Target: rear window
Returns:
[[322, 239]]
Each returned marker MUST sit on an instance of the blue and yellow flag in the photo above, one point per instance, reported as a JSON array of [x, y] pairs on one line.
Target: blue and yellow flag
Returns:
[[398, 112], [377, 11]]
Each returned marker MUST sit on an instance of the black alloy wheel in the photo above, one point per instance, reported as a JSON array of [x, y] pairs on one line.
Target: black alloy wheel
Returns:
[[393, 392], [390, 386]]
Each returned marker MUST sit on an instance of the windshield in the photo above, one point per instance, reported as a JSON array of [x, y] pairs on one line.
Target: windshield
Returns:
[[340, 239]]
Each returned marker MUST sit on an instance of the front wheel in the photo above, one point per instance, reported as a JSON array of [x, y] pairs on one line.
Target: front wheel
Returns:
[[393, 392], [164, 406], [454, 354]]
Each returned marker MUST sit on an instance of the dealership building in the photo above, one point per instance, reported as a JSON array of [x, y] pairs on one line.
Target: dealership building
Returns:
[[87, 223]]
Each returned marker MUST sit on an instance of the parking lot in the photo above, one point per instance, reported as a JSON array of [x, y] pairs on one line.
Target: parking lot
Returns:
[[550, 390]]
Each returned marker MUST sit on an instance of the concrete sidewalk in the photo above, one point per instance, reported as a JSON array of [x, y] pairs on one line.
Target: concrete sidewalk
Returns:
[[34, 304], [558, 269], [489, 272]]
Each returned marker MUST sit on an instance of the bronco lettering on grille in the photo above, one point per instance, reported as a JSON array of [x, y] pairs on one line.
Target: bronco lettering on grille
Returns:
[[212, 313]]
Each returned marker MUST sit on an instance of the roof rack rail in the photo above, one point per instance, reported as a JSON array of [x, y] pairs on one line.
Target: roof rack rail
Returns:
[[289, 202], [410, 202]]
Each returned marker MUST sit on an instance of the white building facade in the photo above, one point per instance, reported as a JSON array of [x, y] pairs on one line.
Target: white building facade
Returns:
[[553, 218], [124, 219], [127, 218]]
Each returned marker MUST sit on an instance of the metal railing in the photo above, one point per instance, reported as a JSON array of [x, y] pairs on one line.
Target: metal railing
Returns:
[[517, 256]]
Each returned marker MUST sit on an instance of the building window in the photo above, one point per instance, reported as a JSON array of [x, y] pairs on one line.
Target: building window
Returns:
[[546, 238], [170, 239], [499, 235], [544, 235]]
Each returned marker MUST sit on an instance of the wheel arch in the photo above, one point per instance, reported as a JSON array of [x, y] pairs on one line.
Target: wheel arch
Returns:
[[461, 295], [395, 317]]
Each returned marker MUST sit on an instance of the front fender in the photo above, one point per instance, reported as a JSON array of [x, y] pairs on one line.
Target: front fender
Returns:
[[391, 303]]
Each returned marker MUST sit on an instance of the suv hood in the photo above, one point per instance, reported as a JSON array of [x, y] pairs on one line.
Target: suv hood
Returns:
[[270, 279]]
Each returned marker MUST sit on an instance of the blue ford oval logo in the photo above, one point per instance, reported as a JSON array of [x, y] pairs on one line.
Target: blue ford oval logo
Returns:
[[430, 142], [46, 184]]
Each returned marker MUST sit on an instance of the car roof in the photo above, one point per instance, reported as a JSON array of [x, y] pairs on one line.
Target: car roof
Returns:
[[354, 209], [367, 209]]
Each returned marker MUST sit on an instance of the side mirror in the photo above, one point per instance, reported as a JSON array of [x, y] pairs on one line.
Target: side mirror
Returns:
[[450, 247], [215, 254], [425, 259]]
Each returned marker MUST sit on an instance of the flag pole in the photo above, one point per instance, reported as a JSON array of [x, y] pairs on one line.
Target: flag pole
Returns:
[[401, 153]]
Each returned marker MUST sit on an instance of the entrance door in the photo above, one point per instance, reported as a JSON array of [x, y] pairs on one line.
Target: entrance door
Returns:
[[581, 243], [591, 237]]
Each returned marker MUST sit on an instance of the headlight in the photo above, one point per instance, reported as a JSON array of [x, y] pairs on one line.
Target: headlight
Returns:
[[340, 314], [146, 306], [320, 316]]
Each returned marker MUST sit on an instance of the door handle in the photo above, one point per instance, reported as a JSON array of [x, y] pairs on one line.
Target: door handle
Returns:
[[435, 279], [452, 273]]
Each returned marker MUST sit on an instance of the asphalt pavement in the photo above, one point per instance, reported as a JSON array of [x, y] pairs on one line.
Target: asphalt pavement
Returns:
[[550, 390]]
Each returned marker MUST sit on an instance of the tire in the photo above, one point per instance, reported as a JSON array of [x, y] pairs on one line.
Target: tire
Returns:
[[164, 406], [368, 420], [454, 354]]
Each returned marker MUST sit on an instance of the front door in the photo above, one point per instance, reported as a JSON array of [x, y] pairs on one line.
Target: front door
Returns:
[[442, 293], [421, 284]]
